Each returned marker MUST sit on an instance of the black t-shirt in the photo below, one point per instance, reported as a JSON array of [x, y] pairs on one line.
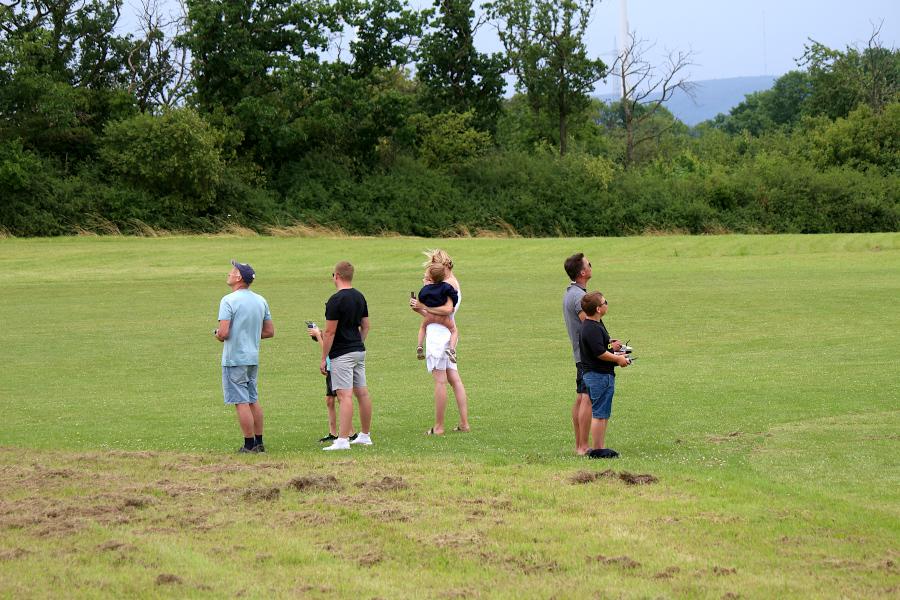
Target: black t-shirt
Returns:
[[594, 340], [347, 307]]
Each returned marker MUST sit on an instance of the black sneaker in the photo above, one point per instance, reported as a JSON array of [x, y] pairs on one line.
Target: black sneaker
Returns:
[[603, 453], [246, 450], [328, 438], [354, 436], [259, 449]]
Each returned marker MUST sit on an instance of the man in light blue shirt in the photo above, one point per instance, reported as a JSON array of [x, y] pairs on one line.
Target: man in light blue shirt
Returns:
[[244, 320]]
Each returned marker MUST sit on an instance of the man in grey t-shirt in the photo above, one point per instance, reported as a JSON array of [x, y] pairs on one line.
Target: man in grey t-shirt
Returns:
[[578, 268]]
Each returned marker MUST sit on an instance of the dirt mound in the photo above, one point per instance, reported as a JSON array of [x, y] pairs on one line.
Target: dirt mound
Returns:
[[311, 483], [631, 479], [625, 562], [167, 579], [388, 483], [13, 554], [582, 477], [667, 573]]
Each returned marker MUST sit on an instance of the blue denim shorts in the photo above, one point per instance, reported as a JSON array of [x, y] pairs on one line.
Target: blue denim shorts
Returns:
[[601, 387], [239, 384]]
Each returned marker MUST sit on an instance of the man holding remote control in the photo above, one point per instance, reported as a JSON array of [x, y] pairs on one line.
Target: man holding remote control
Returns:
[[346, 328]]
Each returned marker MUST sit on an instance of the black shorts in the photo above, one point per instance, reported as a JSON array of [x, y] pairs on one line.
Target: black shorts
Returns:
[[328, 390], [580, 387]]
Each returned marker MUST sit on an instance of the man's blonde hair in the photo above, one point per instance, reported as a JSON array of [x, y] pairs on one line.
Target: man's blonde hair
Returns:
[[344, 270], [440, 257], [436, 272]]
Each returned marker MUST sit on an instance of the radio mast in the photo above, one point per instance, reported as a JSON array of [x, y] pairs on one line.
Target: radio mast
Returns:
[[623, 42]]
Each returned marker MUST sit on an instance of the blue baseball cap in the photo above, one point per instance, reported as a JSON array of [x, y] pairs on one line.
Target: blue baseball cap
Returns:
[[246, 271]]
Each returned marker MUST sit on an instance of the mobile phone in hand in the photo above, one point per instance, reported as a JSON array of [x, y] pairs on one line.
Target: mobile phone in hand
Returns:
[[310, 325]]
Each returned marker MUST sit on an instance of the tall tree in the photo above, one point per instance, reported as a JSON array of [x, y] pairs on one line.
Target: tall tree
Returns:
[[841, 80], [544, 41], [387, 32], [62, 72], [455, 77], [250, 48], [645, 88], [160, 71]]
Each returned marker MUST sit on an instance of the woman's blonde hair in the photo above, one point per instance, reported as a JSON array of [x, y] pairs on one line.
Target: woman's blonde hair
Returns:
[[438, 256]]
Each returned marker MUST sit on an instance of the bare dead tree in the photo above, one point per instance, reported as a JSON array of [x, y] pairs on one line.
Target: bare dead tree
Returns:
[[646, 87], [159, 66], [880, 80]]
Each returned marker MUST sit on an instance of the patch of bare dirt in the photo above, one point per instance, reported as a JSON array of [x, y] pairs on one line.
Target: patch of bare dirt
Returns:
[[626, 562], [459, 593], [633, 479], [262, 494], [369, 559], [723, 571], [311, 518], [453, 540], [387, 484], [387, 515], [667, 573], [168, 579], [529, 565], [113, 545], [730, 596], [718, 439], [127, 454], [304, 590], [137, 502], [312, 483], [13, 554], [582, 477]]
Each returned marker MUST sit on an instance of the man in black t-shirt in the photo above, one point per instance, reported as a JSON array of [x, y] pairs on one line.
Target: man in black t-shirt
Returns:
[[599, 358], [346, 327]]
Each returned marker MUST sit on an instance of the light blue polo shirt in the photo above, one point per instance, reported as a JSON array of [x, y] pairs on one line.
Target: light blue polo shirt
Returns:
[[246, 310]]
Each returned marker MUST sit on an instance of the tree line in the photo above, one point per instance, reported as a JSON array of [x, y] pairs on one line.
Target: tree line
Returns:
[[373, 117]]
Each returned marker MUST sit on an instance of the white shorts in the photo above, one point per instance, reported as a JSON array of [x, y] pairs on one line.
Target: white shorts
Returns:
[[437, 340]]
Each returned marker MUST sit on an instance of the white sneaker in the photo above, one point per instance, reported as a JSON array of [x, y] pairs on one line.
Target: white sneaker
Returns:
[[363, 438], [339, 444]]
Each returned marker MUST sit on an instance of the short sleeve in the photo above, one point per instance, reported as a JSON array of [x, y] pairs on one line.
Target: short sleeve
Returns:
[[226, 311], [268, 315], [332, 309], [365, 309]]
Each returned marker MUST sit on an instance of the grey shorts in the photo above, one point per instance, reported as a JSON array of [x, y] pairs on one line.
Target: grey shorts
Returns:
[[348, 371], [239, 384]]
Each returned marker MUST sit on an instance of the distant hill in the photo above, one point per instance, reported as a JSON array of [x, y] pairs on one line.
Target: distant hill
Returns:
[[711, 97]]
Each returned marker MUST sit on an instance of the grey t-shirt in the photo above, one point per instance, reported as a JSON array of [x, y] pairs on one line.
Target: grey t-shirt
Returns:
[[571, 308]]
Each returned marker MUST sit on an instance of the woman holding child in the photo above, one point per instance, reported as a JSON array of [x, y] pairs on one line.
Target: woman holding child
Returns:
[[438, 302]]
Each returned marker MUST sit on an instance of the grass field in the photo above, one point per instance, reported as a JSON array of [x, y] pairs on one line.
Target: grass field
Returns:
[[765, 402]]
